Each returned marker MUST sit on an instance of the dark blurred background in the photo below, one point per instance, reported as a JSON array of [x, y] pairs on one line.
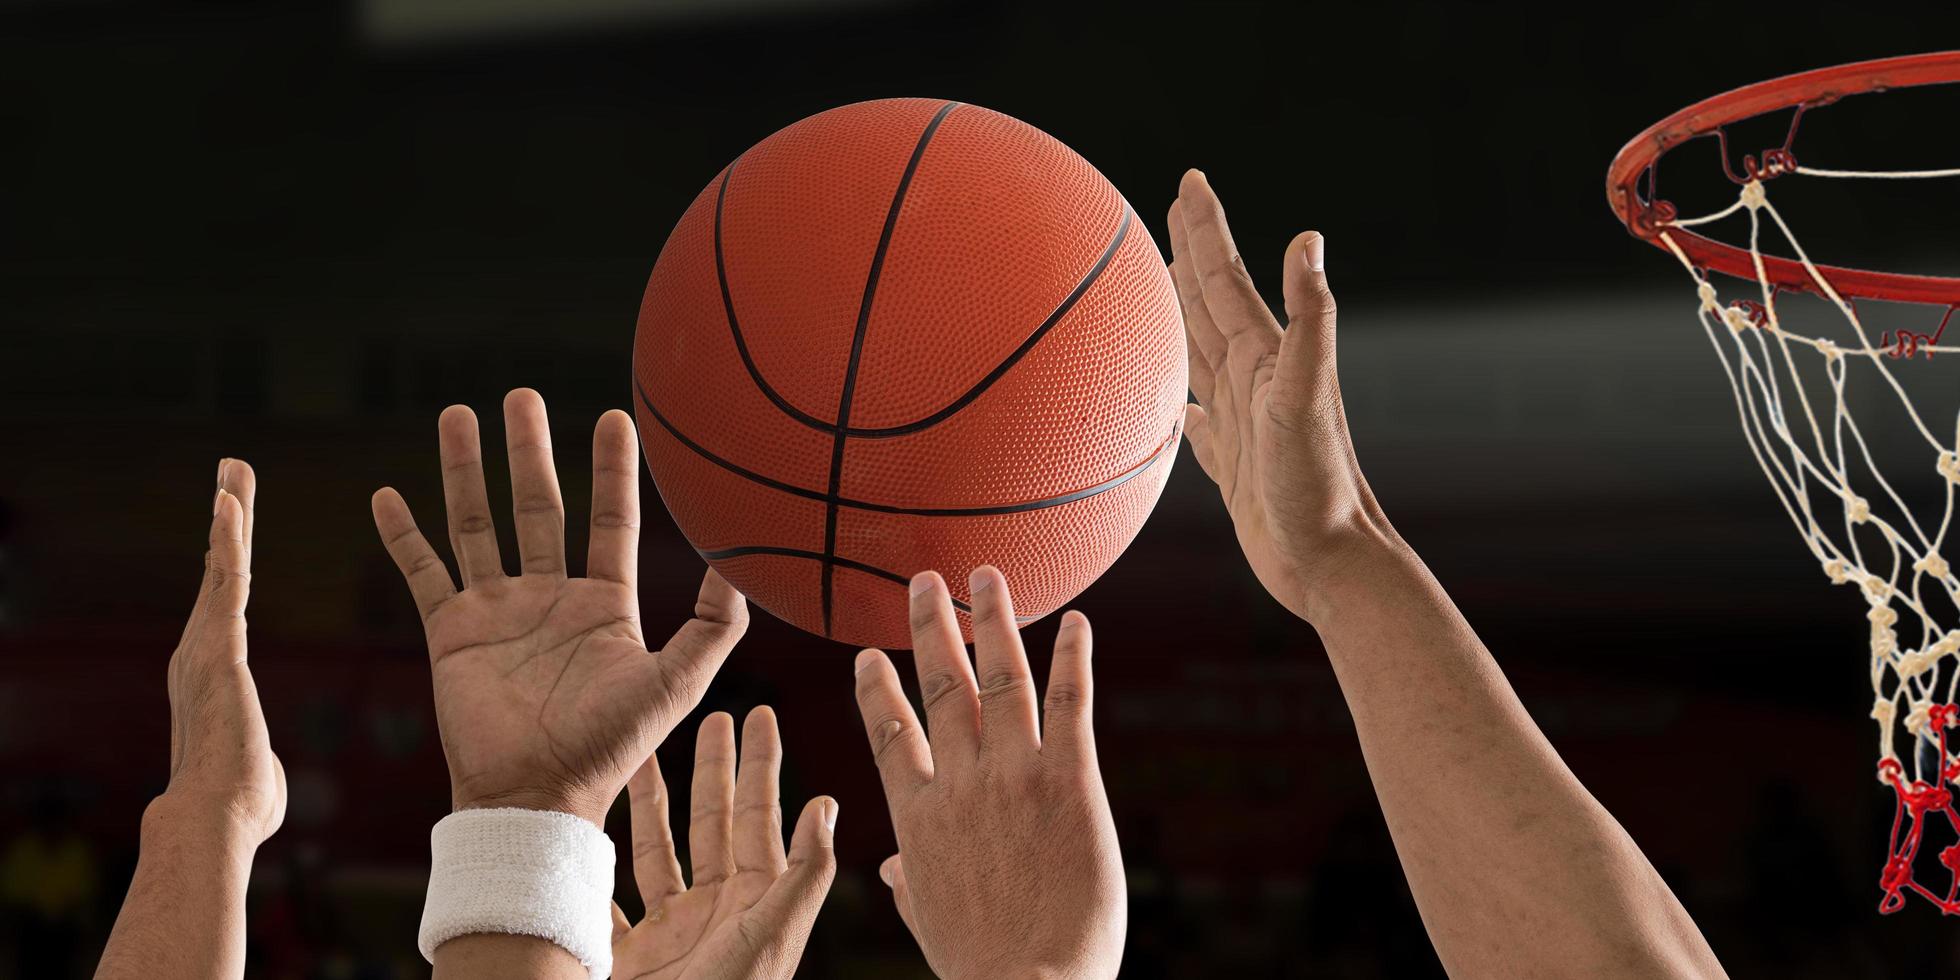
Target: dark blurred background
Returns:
[[293, 233]]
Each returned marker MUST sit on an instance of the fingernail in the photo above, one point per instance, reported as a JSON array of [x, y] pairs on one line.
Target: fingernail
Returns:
[[979, 580], [885, 872], [865, 659], [921, 582], [218, 500], [1316, 253], [222, 465], [829, 813]]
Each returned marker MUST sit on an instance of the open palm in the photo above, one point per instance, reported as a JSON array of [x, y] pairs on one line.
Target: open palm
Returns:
[[749, 910], [546, 695]]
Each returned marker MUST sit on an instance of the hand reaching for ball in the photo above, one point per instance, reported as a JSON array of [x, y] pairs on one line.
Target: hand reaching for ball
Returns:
[[1269, 427], [1007, 862], [748, 911], [546, 695]]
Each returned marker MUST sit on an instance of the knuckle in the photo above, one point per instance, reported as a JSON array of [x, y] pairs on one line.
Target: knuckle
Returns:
[[614, 520], [473, 523], [533, 504], [998, 684], [1232, 272], [1067, 694], [817, 866], [769, 809], [938, 690], [887, 731], [1320, 301]]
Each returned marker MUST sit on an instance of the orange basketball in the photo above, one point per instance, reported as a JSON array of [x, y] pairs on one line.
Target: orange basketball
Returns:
[[905, 335]]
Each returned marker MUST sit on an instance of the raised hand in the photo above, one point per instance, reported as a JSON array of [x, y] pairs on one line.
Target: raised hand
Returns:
[[1007, 862], [221, 764], [750, 908], [1516, 869], [184, 915], [1268, 427], [546, 695]]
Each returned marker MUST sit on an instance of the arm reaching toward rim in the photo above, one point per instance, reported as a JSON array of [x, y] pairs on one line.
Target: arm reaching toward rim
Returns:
[[1516, 869]]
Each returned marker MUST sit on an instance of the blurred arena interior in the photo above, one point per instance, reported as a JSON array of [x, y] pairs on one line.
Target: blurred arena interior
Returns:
[[293, 234]]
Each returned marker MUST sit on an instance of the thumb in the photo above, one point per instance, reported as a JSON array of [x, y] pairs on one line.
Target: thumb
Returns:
[[620, 925], [782, 918], [1306, 352], [892, 873]]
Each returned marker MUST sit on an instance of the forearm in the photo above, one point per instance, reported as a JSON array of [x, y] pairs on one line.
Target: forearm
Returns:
[[1516, 869], [184, 915], [495, 956]]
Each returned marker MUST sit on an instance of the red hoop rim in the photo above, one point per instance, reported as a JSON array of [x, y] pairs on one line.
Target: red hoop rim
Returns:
[[1645, 219]]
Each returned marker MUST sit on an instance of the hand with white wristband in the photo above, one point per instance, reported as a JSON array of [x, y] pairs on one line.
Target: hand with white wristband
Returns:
[[547, 698], [749, 910]]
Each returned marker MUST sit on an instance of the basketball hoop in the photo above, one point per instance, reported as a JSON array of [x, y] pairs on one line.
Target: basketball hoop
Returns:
[[1808, 450]]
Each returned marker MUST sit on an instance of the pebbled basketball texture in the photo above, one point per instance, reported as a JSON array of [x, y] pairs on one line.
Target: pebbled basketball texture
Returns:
[[904, 335]]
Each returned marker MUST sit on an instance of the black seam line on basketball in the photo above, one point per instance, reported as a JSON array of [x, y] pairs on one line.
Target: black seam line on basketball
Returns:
[[1112, 483], [735, 327], [979, 388], [857, 351], [969, 397], [859, 566]]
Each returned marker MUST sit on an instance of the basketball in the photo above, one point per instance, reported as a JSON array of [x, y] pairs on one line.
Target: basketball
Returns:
[[908, 335]]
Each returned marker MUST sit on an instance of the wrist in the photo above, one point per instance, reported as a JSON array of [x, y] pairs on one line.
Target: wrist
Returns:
[[591, 811], [177, 824], [1352, 563], [519, 872]]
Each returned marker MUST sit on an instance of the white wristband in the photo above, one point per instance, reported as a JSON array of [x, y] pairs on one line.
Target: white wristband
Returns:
[[521, 872]]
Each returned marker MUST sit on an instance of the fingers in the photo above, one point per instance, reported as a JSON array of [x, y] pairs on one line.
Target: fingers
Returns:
[[221, 596], [1201, 335], [655, 870], [229, 580], [1199, 378], [536, 505], [697, 649], [614, 554], [1066, 731], [789, 908], [207, 583], [236, 477], [945, 678], [1306, 357], [472, 533], [710, 817], [1235, 306], [1197, 431], [758, 795], [898, 744], [1006, 688], [428, 579], [892, 873], [211, 654]]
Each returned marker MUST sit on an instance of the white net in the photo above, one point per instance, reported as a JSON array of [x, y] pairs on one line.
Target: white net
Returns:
[[1799, 394]]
